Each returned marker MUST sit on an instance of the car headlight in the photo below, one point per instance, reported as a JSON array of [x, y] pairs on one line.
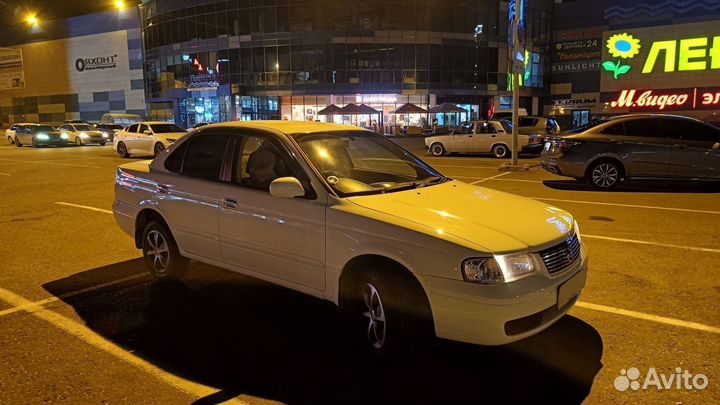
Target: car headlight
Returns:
[[64, 135], [500, 268], [43, 137], [105, 135], [83, 135]]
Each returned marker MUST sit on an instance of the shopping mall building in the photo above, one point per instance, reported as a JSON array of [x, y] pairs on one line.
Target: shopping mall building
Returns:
[[193, 61]]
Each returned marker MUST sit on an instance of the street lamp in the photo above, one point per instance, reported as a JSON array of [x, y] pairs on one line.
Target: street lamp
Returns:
[[32, 20], [119, 5]]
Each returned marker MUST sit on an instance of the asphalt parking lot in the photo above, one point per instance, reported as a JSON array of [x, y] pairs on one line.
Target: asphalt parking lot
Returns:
[[81, 322]]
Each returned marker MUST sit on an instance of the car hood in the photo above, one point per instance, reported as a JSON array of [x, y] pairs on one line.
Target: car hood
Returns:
[[171, 135], [487, 219], [437, 138]]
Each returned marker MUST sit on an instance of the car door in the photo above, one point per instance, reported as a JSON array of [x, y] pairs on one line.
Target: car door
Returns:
[[695, 148], [462, 142], [25, 134], [644, 148], [485, 137], [145, 139], [129, 137], [188, 197], [283, 238]]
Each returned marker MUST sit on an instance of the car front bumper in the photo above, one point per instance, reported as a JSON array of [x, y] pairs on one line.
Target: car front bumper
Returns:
[[51, 142], [563, 167], [462, 312]]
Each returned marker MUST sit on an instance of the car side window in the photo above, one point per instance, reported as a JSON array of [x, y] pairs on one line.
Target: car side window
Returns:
[[174, 162], [646, 128], [27, 130], [615, 129], [527, 122], [204, 156], [132, 128], [678, 128], [259, 162], [14, 128], [143, 128]]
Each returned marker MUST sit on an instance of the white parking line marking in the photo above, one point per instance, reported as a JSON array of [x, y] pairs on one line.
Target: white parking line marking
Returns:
[[469, 167], [490, 178], [643, 242], [91, 337], [649, 317], [84, 207], [628, 205], [34, 306], [5, 174], [49, 163]]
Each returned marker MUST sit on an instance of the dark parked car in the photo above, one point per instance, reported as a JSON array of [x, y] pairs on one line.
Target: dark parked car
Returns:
[[635, 146], [39, 135], [110, 129]]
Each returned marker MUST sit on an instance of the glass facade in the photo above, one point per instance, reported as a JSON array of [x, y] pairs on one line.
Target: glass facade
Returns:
[[286, 48]]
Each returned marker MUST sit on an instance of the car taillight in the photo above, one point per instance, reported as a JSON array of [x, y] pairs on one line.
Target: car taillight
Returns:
[[566, 145]]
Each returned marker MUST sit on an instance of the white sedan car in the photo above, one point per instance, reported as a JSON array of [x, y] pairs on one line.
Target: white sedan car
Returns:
[[82, 134], [479, 137], [346, 215], [10, 132], [146, 138]]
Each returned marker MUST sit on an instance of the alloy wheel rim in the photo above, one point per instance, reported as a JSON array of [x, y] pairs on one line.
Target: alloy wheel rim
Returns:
[[500, 152], [157, 251], [375, 314], [159, 149], [121, 149], [605, 175], [437, 150]]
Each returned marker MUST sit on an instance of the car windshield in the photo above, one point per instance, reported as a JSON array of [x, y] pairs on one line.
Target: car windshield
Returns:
[[42, 128], [362, 163], [83, 127], [165, 128]]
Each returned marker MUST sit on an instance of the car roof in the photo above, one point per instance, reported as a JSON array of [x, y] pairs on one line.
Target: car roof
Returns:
[[287, 127], [154, 122]]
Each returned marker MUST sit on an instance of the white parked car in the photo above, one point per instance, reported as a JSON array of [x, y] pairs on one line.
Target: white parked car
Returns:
[[82, 134], [146, 138], [10, 132], [479, 137], [348, 216]]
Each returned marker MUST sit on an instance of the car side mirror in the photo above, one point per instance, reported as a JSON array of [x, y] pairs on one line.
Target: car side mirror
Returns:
[[286, 187], [147, 132]]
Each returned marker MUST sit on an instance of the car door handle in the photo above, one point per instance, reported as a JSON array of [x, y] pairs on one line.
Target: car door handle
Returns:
[[163, 189], [229, 203]]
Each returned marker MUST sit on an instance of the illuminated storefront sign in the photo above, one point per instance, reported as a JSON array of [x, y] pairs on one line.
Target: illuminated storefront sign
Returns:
[[664, 100], [677, 55], [376, 98]]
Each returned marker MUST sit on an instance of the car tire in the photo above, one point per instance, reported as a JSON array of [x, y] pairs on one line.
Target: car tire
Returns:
[[390, 310], [10, 140], [604, 175], [437, 149], [35, 143], [122, 150], [158, 148], [78, 141], [500, 151], [161, 253], [17, 142], [102, 143]]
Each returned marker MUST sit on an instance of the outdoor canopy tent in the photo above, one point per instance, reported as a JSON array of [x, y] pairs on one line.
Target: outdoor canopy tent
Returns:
[[447, 108], [358, 109], [332, 109], [409, 108]]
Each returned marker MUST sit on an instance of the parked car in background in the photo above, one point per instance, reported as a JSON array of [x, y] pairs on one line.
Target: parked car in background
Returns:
[[635, 146], [76, 122], [39, 135], [110, 129], [146, 138], [506, 113], [346, 215], [542, 127], [121, 119], [83, 134], [479, 137], [713, 119], [10, 132]]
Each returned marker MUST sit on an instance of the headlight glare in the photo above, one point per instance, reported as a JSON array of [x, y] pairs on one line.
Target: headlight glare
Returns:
[[44, 137], [83, 135], [483, 270], [105, 135], [517, 266], [64, 135]]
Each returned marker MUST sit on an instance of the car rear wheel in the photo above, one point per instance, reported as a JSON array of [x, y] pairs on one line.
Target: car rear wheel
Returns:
[[500, 151], [604, 175], [390, 310], [122, 150], [17, 142], [159, 147], [10, 140], [161, 253], [78, 141], [437, 149], [102, 143], [35, 143]]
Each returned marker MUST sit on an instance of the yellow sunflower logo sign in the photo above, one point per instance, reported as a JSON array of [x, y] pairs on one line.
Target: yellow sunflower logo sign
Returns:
[[621, 46]]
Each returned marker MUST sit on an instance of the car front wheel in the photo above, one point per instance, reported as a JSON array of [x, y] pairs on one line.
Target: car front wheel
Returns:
[[390, 310], [10, 140], [122, 150], [78, 141], [604, 175], [437, 149], [158, 148], [500, 151], [161, 253]]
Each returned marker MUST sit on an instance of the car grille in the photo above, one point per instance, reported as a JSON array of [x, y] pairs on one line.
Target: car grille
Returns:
[[560, 256]]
